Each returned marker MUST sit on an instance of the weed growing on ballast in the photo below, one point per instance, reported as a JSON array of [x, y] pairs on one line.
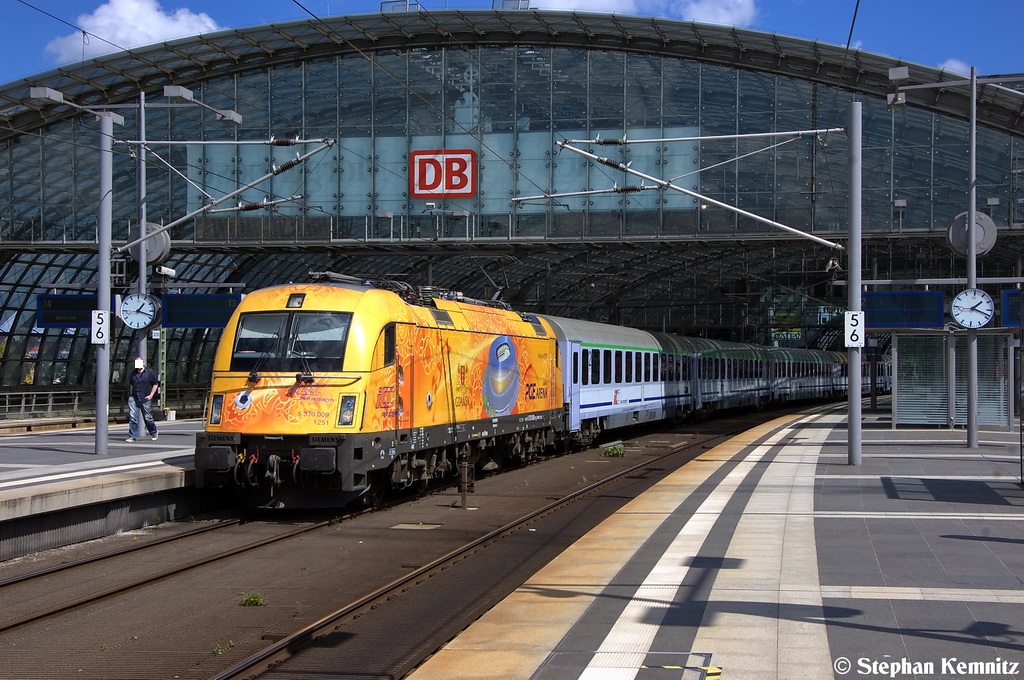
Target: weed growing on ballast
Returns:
[[253, 600]]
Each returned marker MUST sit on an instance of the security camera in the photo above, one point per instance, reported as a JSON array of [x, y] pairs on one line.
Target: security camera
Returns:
[[166, 271]]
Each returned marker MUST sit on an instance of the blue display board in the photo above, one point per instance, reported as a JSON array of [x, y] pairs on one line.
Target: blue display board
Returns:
[[904, 309], [198, 311], [1011, 308], [65, 311]]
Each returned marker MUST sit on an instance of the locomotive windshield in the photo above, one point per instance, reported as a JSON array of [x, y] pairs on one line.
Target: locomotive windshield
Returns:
[[303, 342]]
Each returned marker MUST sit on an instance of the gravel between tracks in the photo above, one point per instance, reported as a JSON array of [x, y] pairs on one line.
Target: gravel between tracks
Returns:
[[195, 625]]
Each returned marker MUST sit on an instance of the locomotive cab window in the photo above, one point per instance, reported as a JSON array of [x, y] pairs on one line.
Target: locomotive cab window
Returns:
[[292, 342]]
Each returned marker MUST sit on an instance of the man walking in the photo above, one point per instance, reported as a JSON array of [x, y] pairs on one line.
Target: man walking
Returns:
[[142, 386]]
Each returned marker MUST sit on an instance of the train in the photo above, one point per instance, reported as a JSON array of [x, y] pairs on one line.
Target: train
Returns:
[[341, 390]]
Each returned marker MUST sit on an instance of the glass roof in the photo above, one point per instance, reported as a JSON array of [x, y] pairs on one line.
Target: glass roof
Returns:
[[118, 77]]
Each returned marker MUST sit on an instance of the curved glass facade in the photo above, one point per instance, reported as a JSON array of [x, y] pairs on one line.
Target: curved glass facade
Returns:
[[505, 107]]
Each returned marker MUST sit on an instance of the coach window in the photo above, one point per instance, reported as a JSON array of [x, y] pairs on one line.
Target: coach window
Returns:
[[607, 372], [655, 370], [639, 367], [618, 367], [575, 368], [629, 367], [647, 367]]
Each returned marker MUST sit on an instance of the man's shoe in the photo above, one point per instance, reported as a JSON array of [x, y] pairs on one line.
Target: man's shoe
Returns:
[[155, 436], [130, 439]]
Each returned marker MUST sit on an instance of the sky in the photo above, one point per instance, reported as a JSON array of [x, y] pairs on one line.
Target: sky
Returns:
[[40, 35]]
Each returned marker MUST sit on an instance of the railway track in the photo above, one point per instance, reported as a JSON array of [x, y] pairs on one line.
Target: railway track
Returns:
[[9, 587], [185, 619], [272, 661]]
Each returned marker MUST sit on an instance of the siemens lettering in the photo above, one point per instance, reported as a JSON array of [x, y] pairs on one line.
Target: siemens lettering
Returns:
[[439, 173]]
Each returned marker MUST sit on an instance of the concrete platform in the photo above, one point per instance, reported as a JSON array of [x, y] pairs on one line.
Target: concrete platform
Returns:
[[770, 557], [55, 489]]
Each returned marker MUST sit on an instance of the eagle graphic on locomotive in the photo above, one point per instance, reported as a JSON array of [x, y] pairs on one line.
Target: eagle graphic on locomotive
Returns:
[[334, 392]]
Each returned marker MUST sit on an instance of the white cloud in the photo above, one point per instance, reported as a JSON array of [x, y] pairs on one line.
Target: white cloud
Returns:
[[727, 12], [616, 6], [127, 23], [956, 66]]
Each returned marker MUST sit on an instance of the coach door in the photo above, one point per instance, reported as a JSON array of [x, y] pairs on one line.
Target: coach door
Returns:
[[572, 370]]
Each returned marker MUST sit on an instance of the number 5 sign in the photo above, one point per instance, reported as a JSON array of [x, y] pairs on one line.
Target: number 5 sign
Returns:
[[854, 329]]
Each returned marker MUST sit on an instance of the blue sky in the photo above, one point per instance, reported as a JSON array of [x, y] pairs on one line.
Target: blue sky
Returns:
[[952, 34]]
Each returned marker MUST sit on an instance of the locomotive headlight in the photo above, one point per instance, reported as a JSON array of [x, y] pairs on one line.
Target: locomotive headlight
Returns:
[[347, 415], [216, 409]]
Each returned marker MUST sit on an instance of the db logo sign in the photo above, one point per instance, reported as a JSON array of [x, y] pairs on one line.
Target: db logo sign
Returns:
[[450, 173]]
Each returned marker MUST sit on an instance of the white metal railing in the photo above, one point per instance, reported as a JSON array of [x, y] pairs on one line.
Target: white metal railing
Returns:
[[80, 404]]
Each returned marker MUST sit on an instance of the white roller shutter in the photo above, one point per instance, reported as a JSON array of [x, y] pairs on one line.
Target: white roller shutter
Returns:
[[921, 383]]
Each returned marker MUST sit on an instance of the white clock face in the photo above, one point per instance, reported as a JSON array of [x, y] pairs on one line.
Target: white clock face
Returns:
[[139, 311], [972, 308]]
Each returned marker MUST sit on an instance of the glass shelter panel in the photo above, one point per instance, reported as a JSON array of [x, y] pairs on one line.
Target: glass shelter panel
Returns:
[[921, 380]]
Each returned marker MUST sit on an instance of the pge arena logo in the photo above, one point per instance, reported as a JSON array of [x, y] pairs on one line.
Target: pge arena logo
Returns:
[[448, 173]]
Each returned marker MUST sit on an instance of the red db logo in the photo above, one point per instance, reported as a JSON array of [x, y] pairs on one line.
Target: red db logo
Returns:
[[450, 174]]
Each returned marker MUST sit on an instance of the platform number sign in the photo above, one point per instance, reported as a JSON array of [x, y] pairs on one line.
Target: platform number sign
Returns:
[[100, 328], [854, 329]]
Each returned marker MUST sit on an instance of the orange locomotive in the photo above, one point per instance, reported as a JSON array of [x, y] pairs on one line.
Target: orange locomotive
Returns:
[[335, 391]]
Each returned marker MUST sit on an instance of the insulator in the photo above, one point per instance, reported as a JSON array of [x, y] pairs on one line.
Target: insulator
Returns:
[[610, 163], [610, 142], [284, 141], [287, 166], [629, 190], [251, 206]]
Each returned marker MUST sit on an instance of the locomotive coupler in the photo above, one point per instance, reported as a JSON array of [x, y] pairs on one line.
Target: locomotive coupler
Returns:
[[274, 469]]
